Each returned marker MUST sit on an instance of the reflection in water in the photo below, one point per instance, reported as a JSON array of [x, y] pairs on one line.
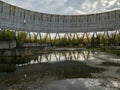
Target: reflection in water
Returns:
[[9, 64], [88, 56], [56, 56], [65, 65]]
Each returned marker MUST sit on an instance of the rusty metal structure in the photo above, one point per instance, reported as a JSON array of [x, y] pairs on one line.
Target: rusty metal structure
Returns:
[[19, 19]]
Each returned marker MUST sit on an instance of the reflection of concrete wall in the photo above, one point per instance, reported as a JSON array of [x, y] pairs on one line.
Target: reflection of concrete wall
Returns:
[[7, 44], [14, 60], [16, 52], [12, 17], [7, 67]]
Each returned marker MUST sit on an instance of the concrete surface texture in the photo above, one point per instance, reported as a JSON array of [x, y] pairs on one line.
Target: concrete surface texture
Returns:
[[15, 18]]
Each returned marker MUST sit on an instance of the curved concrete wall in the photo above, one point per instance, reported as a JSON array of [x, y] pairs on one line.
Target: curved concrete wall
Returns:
[[12, 17]]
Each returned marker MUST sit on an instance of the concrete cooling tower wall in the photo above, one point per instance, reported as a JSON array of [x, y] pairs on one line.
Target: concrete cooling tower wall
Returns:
[[19, 19]]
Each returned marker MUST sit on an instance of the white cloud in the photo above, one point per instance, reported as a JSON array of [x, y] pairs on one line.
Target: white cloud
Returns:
[[67, 7]]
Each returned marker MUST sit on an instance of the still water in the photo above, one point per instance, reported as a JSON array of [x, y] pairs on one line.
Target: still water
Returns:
[[62, 70]]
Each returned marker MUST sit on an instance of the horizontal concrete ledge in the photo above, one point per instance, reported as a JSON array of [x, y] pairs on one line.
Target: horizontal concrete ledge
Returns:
[[69, 49], [28, 45]]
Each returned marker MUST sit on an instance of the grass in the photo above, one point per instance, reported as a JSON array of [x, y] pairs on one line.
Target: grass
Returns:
[[110, 64], [111, 50]]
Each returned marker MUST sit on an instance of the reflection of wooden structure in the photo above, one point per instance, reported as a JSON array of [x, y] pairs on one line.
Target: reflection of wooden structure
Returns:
[[19, 19], [67, 55]]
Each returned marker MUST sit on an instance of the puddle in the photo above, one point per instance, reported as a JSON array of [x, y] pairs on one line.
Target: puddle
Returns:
[[62, 70]]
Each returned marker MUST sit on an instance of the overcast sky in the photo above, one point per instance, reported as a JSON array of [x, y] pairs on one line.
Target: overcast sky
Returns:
[[67, 7]]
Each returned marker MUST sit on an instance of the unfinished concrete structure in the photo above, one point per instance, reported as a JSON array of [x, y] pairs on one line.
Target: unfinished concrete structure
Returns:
[[19, 19]]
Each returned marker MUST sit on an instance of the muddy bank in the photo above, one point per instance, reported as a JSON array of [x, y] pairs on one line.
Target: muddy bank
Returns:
[[81, 84], [68, 69], [27, 76]]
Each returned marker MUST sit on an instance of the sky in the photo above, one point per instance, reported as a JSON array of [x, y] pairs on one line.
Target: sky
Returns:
[[67, 7]]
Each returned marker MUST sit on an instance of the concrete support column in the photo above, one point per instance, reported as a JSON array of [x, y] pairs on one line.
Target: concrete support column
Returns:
[[25, 36], [98, 39], [46, 37], [82, 39], [49, 35], [109, 40], [87, 36], [54, 39], [78, 38], [93, 39], [114, 37], [119, 36], [39, 35]]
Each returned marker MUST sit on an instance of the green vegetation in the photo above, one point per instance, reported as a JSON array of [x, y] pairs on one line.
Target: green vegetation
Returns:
[[7, 35], [20, 38], [111, 50], [98, 41]]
